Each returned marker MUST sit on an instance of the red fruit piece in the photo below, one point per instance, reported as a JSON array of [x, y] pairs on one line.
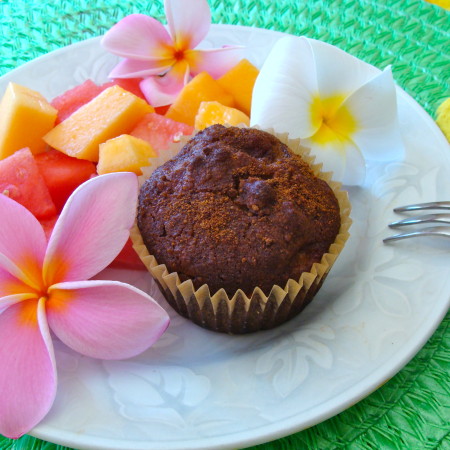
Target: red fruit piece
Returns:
[[160, 131], [48, 225], [22, 181], [74, 98], [128, 259], [129, 84], [63, 174]]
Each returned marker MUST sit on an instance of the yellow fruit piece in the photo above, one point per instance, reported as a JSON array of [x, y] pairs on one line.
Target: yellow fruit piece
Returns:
[[210, 113], [202, 88], [113, 112], [124, 153], [239, 82], [442, 3], [443, 118], [25, 117]]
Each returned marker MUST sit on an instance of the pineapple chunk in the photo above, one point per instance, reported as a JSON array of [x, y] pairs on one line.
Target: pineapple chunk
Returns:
[[443, 118], [201, 88], [25, 117], [239, 82], [113, 112], [210, 113], [124, 153]]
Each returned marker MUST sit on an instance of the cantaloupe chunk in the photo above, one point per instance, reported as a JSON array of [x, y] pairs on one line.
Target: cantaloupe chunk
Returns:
[[210, 113], [112, 113], [124, 153], [25, 117], [239, 82], [443, 117], [202, 88]]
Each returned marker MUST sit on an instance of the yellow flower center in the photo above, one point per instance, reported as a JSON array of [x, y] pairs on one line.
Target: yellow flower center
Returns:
[[335, 122]]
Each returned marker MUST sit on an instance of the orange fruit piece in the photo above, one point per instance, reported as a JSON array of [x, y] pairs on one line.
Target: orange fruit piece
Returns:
[[239, 82], [210, 113], [201, 88]]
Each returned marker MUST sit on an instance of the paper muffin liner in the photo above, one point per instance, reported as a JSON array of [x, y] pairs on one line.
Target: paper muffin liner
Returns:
[[242, 314]]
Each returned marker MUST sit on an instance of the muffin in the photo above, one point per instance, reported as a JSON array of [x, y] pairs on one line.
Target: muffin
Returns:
[[242, 223]]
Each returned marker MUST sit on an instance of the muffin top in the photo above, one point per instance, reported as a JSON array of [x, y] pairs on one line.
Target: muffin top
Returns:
[[236, 209]]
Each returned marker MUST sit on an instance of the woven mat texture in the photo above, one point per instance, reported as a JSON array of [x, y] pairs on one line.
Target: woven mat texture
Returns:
[[412, 410]]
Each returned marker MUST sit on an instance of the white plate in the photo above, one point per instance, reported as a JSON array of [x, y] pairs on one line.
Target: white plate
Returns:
[[196, 389]]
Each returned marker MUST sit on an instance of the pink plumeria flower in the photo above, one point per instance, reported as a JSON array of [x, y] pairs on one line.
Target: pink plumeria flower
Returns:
[[167, 60], [43, 287]]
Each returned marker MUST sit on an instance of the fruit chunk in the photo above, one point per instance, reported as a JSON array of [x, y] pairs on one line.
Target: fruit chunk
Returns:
[[160, 131], [21, 180], [124, 154], [48, 225], [443, 117], [129, 84], [128, 259], [202, 88], [63, 174], [110, 114], [239, 82], [25, 118], [210, 113], [73, 99]]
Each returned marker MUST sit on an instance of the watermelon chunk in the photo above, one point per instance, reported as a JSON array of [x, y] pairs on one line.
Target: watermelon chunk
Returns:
[[160, 131], [128, 259], [63, 174], [74, 98], [129, 84], [48, 225], [21, 180]]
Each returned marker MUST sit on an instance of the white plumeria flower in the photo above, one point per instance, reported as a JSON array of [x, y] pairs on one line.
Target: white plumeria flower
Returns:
[[342, 108]]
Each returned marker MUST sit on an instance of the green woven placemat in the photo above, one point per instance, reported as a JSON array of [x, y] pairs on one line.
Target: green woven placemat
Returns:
[[412, 410]]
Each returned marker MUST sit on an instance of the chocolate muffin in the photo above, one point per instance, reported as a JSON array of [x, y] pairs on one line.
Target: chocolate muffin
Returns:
[[236, 209]]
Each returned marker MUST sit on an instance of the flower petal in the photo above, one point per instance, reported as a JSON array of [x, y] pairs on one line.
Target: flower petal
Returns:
[[338, 72], [28, 374], [12, 299], [138, 36], [374, 105], [162, 91], [105, 319], [343, 158], [22, 242], [10, 285], [92, 229], [284, 89], [214, 61], [188, 22], [131, 68]]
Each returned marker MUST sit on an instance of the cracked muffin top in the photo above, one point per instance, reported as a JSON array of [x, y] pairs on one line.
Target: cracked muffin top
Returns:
[[236, 209]]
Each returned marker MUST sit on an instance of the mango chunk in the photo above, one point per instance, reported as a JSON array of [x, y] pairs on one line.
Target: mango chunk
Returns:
[[112, 113], [239, 82], [124, 153], [25, 117], [443, 117], [210, 113], [201, 88]]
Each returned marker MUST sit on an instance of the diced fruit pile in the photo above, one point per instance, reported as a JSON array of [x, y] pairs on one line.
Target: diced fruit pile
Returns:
[[47, 149]]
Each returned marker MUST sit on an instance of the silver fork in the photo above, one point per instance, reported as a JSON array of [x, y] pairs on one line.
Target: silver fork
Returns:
[[437, 230]]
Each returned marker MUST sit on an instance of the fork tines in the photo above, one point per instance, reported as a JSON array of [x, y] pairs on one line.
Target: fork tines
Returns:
[[421, 206], [426, 218]]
